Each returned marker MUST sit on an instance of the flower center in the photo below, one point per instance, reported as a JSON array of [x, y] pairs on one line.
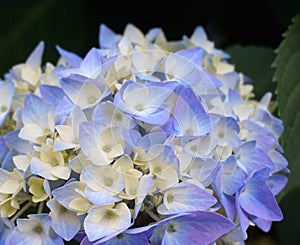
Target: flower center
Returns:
[[157, 170], [194, 148], [171, 228], [106, 148], [109, 214], [38, 229], [170, 198], [3, 108], [54, 162], [189, 131], [92, 100], [47, 131], [108, 181], [139, 107], [118, 117], [221, 135], [132, 192]]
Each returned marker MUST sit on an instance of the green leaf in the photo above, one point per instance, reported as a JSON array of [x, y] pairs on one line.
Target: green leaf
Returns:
[[287, 76], [254, 62]]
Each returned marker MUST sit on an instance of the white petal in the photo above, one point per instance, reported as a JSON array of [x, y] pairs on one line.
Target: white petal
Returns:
[[65, 132], [31, 132], [41, 168], [62, 172]]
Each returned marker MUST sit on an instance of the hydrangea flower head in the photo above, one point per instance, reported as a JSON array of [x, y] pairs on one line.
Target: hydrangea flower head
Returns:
[[142, 141]]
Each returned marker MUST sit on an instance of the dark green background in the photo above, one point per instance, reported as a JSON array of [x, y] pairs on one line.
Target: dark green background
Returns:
[[73, 24]]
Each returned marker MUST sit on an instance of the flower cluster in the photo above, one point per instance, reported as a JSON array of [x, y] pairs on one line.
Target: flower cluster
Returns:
[[142, 141]]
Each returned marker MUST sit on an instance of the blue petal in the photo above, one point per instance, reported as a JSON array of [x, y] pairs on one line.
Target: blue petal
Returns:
[[193, 55], [186, 96], [101, 198], [20, 145], [67, 224], [92, 63], [107, 37], [276, 183], [158, 93], [35, 58], [252, 159], [65, 107], [189, 117], [36, 111], [7, 162], [157, 118], [152, 139], [234, 98], [72, 59], [52, 94], [233, 178], [3, 149], [275, 124], [186, 67], [6, 228], [6, 95]]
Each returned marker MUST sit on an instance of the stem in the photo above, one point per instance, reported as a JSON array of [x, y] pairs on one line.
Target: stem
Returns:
[[151, 214], [41, 206], [21, 211]]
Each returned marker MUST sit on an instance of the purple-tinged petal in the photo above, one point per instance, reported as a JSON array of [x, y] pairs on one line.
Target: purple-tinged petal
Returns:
[[242, 218], [276, 183], [185, 197], [85, 241], [199, 228], [126, 239], [257, 198], [264, 225]]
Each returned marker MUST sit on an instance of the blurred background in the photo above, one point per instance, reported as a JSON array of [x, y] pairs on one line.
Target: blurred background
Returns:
[[73, 24], [248, 30]]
